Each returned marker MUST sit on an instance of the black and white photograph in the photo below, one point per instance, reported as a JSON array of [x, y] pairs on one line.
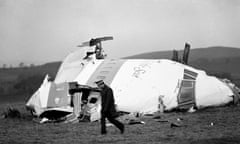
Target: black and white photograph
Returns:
[[119, 71]]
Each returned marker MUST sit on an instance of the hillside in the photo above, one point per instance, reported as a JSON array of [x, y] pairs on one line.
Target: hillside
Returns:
[[9, 74], [16, 83], [195, 53]]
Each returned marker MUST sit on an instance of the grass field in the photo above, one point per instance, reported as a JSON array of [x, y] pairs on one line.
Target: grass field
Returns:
[[196, 128]]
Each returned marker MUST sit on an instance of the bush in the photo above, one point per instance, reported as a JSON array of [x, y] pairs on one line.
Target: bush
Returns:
[[11, 113]]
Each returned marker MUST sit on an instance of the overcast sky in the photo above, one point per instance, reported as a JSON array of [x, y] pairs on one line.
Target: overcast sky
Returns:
[[40, 31]]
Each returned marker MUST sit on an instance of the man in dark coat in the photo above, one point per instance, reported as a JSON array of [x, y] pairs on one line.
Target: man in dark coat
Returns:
[[108, 108]]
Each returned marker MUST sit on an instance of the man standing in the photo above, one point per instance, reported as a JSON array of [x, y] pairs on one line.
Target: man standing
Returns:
[[108, 108]]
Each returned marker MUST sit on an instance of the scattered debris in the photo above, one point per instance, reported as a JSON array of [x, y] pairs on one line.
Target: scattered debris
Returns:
[[175, 124], [109, 124], [157, 117], [179, 119], [44, 120], [162, 121], [191, 110], [132, 118], [132, 122]]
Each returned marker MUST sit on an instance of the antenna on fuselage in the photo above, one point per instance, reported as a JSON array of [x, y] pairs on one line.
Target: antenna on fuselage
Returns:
[[97, 42], [185, 55]]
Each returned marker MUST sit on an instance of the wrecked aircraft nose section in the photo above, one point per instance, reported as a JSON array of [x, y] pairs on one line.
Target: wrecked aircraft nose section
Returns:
[[139, 86]]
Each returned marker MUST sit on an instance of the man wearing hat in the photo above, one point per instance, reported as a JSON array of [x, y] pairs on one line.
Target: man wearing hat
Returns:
[[108, 108]]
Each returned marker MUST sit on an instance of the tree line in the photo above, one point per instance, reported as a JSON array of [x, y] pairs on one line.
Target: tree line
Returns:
[[20, 65]]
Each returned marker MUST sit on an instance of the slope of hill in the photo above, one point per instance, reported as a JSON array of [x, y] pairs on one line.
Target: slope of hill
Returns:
[[214, 53], [195, 54], [11, 73], [16, 83]]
